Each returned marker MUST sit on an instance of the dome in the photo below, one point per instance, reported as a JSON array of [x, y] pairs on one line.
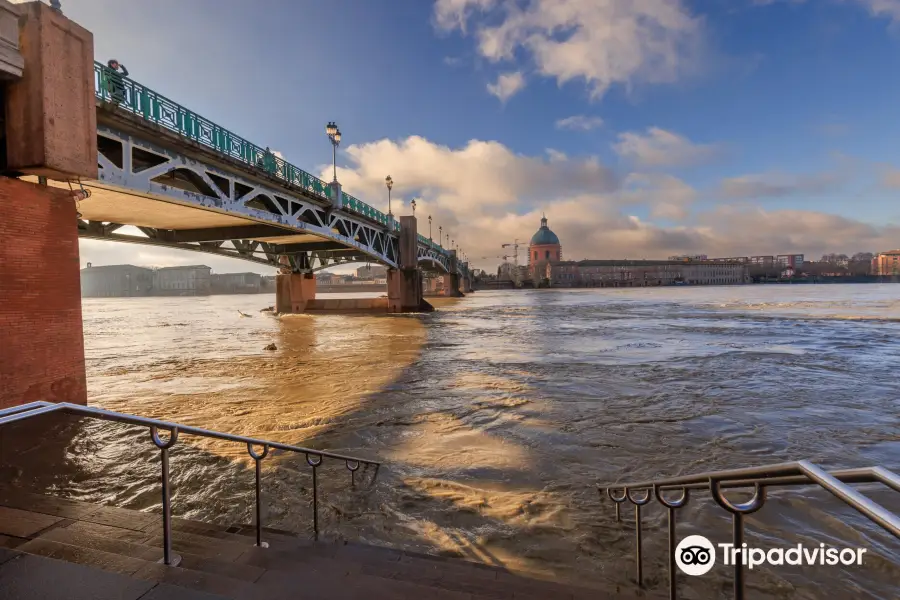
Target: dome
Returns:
[[544, 237]]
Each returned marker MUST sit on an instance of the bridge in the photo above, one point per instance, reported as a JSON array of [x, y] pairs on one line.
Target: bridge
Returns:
[[187, 183], [88, 153]]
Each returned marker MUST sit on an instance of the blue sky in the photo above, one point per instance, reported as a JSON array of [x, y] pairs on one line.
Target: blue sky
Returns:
[[641, 128]]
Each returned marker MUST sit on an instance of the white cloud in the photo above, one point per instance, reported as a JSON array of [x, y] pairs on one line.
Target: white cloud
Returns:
[[889, 9], [507, 85], [602, 42], [667, 196], [484, 195], [481, 177], [579, 122], [660, 148], [890, 178], [742, 231], [778, 185], [454, 14], [556, 155], [769, 2]]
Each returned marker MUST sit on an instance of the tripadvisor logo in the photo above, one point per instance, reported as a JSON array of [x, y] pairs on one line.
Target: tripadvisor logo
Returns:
[[696, 555]]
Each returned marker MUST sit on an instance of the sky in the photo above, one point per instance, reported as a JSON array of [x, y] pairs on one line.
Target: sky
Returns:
[[642, 128]]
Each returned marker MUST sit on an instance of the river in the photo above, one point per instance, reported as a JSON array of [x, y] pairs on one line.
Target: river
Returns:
[[497, 416]]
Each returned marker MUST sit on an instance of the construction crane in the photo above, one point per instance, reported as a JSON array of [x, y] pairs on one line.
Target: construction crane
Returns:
[[515, 247]]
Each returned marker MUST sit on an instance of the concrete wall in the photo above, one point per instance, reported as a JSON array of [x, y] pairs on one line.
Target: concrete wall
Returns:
[[293, 291], [51, 113], [347, 305], [41, 342]]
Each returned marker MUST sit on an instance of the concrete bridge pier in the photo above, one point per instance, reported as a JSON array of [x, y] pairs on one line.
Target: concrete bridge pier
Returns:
[[451, 286], [452, 280], [46, 66], [467, 284], [405, 283], [294, 291]]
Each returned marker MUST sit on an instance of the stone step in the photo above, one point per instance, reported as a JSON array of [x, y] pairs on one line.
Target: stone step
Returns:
[[352, 558], [97, 541], [356, 560], [123, 517], [39, 578], [136, 568], [223, 561], [316, 585]]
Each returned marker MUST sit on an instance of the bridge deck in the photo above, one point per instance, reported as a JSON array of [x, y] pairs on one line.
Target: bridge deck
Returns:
[[166, 169], [53, 548]]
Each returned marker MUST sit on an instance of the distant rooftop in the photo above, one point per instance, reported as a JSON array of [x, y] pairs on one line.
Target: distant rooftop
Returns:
[[110, 267], [94, 268], [184, 267], [640, 263]]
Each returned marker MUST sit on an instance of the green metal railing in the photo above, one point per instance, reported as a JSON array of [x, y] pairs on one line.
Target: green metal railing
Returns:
[[430, 243], [141, 101]]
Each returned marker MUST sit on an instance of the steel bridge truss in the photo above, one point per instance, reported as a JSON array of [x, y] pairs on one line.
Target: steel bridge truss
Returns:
[[136, 166], [262, 253], [431, 259]]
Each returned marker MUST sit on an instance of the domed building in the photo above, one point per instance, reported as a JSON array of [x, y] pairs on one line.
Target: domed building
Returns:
[[544, 248]]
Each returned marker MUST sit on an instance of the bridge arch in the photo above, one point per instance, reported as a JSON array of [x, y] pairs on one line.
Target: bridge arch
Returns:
[[297, 224]]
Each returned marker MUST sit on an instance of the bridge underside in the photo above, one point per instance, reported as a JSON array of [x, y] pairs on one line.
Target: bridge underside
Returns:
[[106, 212], [185, 196], [178, 202]]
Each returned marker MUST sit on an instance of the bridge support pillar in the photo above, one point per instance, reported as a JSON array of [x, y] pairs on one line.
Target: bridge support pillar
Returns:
[[467, 284], [42, 348], [405, 283], [451, 286], [51, 115], [452, 279], [293, 291]]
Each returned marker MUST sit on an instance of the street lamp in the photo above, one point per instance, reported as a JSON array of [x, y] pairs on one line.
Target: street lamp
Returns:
[[389, 183], [448, 240], [440, 234], [334, 134], [413, 204], [429, 230]]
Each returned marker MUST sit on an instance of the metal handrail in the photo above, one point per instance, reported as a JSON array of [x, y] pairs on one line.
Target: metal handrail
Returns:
[[314, 458], [127, 94], [788, 474]]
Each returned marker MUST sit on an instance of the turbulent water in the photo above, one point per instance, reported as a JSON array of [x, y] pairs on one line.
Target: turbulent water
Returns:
[[498, 415]]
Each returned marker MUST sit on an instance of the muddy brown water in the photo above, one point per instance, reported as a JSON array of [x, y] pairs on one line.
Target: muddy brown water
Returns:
[[496, 417]]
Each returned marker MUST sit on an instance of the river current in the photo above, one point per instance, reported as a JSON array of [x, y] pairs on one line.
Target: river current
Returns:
[[498, 415]]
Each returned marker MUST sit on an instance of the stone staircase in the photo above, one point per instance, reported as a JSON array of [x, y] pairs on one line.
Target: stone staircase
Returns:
[[53, 548]]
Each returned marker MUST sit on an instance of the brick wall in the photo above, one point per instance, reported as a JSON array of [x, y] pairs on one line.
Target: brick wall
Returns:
[[41, 340]]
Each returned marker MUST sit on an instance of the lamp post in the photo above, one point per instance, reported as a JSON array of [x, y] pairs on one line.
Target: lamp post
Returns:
[[413, 204], [389, 183], [429, 231], [440, 235], [448, 240], [334, 134]]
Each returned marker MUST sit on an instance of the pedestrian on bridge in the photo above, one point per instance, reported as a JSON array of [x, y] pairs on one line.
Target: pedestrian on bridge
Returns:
[[115, 81]]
